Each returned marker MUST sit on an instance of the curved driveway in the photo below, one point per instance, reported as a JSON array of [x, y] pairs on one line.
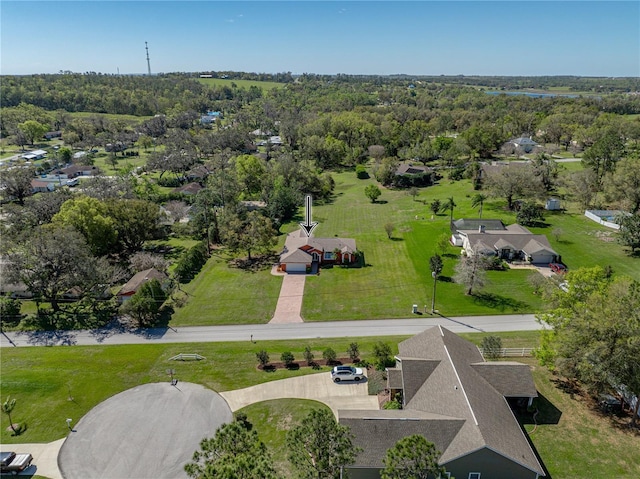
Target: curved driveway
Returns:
[[318, 387]]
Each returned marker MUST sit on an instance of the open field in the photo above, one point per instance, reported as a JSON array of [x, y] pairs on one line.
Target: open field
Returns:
[[397, 272], [221, 82]]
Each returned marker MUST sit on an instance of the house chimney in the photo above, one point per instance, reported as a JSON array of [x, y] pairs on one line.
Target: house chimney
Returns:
[[481, 229]]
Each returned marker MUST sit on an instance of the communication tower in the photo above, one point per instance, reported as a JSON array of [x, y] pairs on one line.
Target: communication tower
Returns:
[[148, 62]]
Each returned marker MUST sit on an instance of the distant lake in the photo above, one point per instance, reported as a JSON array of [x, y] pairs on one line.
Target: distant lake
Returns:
[[528, 93]]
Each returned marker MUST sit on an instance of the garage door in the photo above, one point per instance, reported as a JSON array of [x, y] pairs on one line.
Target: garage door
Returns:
[[543, 259], [296, 268]]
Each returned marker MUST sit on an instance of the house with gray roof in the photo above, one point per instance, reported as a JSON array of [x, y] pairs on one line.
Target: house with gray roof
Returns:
[[302, 254], [457, 401], [493, 238]]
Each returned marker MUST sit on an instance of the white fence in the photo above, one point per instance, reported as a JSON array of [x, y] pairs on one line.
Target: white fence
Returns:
[[512, 352], [597, 216]]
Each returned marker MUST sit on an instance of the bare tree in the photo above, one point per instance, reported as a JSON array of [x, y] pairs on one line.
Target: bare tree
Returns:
[[471, 272]]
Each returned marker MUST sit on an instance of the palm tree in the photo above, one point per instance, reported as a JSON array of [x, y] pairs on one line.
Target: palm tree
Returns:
[[7, 407], [478, 200], [448, 204]]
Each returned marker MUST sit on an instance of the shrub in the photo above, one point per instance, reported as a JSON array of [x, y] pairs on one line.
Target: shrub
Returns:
[[491, 347], [287, 358], [10, 311], [354, 352], [308, 355], [361, 172], [382, 353], [263, 357], [191, 262], [329, 355], [393, 404]]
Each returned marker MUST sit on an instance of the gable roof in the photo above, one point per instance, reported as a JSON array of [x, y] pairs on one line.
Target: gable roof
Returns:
[[509, 378], [139, 279], [454, 390], [407, 169], [464, 224], [299, 242]]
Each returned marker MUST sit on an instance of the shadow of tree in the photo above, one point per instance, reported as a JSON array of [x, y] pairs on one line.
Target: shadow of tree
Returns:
[[496, 301]]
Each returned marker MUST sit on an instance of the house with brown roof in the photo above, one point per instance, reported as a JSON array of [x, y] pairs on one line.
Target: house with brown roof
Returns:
[[493, 238], [302, 254], [138, 279], [457, 401]]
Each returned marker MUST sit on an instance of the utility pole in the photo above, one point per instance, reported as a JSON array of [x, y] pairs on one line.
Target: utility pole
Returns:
[[148, 62]]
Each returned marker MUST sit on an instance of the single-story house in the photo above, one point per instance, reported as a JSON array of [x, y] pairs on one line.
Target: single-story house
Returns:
[[34, 155], [50, 135], [525, 144], [188, 189], [408, 175], [513, 242], [302, 254], [43, 186], [138, 279], [74, 171], [458, 402]]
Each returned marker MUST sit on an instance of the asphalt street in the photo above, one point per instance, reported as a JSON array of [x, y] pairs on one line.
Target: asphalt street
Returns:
[[256, 332]]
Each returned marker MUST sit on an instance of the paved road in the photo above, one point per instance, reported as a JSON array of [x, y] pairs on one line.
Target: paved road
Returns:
[[329, 329]]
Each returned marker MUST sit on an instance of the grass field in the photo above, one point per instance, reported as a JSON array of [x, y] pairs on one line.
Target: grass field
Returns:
[[265, 85], [397, 274]]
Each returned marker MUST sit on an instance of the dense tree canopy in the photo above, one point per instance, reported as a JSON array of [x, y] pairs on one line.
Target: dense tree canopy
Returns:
[[234, 452], [320, 447], [595, 331]]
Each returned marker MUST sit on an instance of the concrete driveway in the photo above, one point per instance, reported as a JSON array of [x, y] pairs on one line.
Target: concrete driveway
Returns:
[[318, 387], [290, 299], [150, 431]]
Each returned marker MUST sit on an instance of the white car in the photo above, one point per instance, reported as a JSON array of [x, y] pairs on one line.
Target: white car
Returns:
[[346, 373]]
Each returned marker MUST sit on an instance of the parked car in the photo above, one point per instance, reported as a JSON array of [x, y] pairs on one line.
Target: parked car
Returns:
[[14, 463], [609, 403], [346, 373], [558, 268]]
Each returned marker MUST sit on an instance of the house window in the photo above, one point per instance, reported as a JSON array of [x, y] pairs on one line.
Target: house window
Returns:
[[446, 475], [328, 255], [474, 475]]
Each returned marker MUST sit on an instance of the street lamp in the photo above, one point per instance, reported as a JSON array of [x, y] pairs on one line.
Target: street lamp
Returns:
[[434, 275], [69, 424]]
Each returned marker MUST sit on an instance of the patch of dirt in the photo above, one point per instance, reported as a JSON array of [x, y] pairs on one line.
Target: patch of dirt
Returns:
[[285, 422], [606, 236], [257, 263]]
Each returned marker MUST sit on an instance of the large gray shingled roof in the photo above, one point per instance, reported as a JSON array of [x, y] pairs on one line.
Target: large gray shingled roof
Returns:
[[455, 385]]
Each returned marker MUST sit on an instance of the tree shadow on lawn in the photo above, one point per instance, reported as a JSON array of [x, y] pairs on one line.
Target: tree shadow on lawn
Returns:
[[496, 301]]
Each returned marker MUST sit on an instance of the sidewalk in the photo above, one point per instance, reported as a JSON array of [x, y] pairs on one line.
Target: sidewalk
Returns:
[[45, 458]]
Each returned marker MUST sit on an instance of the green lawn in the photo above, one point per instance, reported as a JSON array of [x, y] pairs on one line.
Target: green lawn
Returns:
[[222, 294], [578, 441], [265, 85], [275, 418], [43, 379], [397, 274], [585, 243]]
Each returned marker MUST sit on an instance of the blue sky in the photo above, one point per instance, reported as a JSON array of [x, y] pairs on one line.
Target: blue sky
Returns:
[[590, 38]]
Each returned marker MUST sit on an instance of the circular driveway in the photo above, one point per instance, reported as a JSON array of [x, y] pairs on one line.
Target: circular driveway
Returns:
[[150, 431]]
